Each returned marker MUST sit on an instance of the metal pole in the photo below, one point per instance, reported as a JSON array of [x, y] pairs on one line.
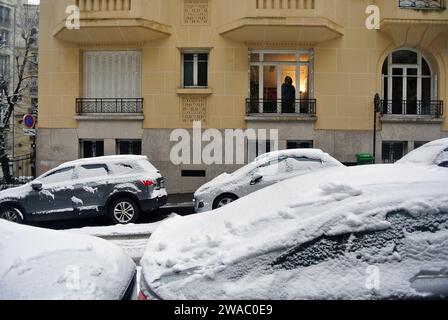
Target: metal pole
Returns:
[[376, 109]]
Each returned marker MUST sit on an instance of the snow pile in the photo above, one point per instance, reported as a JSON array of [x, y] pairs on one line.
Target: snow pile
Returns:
[[46, 265], [226, 254]]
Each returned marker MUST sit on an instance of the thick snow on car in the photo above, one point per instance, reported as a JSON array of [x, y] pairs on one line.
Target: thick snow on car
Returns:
[[368, 232], [266, 170], [120, 187], [39, 264]]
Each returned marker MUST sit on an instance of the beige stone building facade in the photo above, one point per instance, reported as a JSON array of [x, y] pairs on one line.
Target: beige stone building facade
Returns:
[[136, 70]]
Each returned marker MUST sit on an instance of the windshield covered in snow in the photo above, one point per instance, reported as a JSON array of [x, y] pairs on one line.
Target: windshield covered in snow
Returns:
[[431, 153]]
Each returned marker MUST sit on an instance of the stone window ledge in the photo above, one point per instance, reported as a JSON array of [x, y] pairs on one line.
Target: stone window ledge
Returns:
[[411, 119], [109, 117], [194, 91]]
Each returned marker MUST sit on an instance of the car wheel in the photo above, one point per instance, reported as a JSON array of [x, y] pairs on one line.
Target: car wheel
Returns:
[[12, 214], [124, 211], [224, 200]]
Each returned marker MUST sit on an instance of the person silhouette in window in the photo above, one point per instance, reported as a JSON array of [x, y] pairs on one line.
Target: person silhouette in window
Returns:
[[288, 96]]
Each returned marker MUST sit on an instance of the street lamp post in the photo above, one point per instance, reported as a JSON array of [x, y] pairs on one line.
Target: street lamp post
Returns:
[[376, 110]]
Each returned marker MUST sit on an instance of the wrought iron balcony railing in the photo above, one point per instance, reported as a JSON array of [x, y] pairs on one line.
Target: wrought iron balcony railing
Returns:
[[108, 105], [421, 4], [433, 108], [267, 106]]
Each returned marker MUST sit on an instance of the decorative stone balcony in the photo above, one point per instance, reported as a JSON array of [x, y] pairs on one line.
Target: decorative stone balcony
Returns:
[[301, 21], [113, 21], [413, 22]]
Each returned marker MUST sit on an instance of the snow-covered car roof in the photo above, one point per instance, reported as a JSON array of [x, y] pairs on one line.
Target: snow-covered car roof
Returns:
[[298, 153], [106, 159], [431, 153], [39, 264], [296, 211]]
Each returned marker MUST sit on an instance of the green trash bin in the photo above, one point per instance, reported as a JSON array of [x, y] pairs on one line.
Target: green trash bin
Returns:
[[364, 159]]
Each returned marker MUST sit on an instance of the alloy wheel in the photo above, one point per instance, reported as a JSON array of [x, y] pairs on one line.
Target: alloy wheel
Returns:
[[224, 202], [11, 214], [124, 212]]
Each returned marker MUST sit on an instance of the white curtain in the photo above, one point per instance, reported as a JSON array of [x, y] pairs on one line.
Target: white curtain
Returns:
[[112, 74]]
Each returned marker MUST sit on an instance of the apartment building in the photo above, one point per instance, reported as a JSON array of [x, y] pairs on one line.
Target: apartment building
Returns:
[[17, 16], [136, 70]]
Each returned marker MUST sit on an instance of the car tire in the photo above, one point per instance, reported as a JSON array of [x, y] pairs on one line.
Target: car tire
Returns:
[[224, 200], [124, 211], [12, 214]]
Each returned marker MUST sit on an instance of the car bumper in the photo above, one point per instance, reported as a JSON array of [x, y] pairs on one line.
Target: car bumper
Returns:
[[152, 204]]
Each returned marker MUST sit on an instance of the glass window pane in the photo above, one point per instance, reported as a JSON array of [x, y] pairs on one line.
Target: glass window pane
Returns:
[[203, 57], [91, 171], [202, 74], [188, 74], [426, 71], [62, 175], [188, 57], [255, 57], [386, 67], [280, 57], [304, 57], [426, 89], [404, 57]]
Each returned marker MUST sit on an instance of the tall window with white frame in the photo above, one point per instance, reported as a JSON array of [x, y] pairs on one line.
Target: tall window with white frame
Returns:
[[195, 69], [281, 81], [409, 85]]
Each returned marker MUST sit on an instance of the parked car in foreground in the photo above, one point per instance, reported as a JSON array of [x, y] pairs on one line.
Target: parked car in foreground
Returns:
[[266, 170], [120, 187], [367, 232], [40, 264]]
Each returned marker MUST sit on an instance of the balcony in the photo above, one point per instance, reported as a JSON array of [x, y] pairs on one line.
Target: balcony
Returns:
[[109, 109], [421, 5], [412, 111], [113, 21], [276, 110], [301, 21], [414, 22]]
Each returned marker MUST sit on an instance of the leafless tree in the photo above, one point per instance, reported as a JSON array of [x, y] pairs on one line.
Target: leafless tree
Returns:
[[10, 97]]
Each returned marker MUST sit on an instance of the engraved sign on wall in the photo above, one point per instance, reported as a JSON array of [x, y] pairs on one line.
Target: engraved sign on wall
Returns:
[[194, 109], [196, 12]]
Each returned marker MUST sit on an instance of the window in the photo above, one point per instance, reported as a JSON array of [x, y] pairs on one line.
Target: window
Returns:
[[408, 84], [365, 245], [91, 149], [92, 171], [195, 69], [5, 16], [4, 66], [112, 74], [193, 173], [418, 144], [4, 38], [393, 151], [299, 145], [57, 176], [268, 71], [123, 168], [129, 147]]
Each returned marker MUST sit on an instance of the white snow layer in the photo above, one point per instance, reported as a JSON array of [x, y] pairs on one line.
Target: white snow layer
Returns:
[[52, 265], [203, 248]]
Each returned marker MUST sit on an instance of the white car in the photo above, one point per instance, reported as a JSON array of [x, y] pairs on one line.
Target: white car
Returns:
[[266, 170], [39, 264], [367, 232]]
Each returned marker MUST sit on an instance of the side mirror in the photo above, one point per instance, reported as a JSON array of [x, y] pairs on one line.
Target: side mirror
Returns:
[[443, 164], [36, 185], [256, 179]]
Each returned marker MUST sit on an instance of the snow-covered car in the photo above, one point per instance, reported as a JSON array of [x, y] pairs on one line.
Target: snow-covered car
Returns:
[[367, 232], [120, 187], [266, 170], [39, 264]]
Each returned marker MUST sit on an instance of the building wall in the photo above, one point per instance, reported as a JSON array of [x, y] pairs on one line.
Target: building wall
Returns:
[[347, 74]]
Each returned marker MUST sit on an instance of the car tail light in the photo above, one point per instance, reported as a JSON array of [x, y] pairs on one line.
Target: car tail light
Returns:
[[142, 296], [148, 183]]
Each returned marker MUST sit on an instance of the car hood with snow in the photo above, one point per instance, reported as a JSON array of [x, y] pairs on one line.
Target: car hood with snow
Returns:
[[207, 256], [38, 264]]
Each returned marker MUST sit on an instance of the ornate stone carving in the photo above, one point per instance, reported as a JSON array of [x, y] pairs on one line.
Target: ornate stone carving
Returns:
[[196, 12], [194, 109]]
